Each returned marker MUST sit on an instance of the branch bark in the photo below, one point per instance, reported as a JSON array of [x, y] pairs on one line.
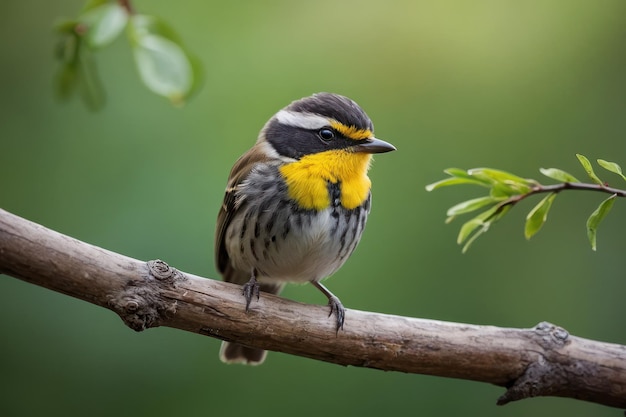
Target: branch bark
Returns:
[[541, 361]]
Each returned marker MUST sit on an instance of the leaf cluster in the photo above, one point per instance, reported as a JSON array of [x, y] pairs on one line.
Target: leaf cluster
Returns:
[[165, 66], [506, 189]]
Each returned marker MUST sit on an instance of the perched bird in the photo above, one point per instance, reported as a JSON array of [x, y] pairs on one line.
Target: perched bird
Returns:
[[296, 203]]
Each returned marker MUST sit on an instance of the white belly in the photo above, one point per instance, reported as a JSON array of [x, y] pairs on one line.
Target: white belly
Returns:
[[316, 245], [308, 254]]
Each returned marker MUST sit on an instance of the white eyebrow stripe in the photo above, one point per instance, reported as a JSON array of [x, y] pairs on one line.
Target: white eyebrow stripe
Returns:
[[303, 120], [269, 150]]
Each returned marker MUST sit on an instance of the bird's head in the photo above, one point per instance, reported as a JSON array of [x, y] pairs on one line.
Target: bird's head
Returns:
[[320, 123], [321, 140]]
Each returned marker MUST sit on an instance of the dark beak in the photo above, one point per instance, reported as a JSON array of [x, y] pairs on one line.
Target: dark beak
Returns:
[[373, 145]]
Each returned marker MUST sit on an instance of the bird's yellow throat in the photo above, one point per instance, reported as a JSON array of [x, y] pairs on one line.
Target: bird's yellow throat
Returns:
[[307, 178]]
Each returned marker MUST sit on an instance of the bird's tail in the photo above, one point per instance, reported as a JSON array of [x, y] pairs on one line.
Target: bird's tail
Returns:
[[236, 353]]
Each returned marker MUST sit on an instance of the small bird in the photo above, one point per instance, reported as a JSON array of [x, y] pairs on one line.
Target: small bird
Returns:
[[296, 203]]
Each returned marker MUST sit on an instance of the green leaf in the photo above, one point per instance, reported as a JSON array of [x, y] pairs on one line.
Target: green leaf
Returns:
[[471, 225], [501, 191], [67, 78], [461, 173], [66, 81], [458, 176], [479, 232], [198, 75], [612, 167], [456, 172], [468, 228], [588, 168], [77, 71], [89, 85], [66, 49], [65, 26], [538, 216], [558, 174], [151, 25], [496, 175], [451, 181], [103, 24], [475, 227], [164, 65], [503, 183], [596, 217], [450, 219], [471, 205]]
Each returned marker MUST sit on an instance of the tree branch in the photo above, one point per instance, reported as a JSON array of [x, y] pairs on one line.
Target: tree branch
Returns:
[[555, 188], [542, 361]]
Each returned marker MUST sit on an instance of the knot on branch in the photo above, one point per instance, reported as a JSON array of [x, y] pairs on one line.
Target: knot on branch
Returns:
[[543, 377], [550, 336], [141, 304], [139, 307], [163, 272]]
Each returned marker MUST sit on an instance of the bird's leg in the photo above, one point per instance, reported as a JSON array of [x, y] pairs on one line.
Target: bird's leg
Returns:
[[250, 289], [334, 303]]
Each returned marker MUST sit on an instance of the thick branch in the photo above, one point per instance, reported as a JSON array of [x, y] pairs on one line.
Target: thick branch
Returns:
[[544, 360]]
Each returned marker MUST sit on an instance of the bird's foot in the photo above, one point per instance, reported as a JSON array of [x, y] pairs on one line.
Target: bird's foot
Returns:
[[249, 290], [335, 305], [338, 309]]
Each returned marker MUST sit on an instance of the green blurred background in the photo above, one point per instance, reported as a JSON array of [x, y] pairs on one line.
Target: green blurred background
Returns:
[[510, 85]]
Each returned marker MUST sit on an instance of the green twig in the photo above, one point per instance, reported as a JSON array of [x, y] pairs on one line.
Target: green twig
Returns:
[[506, 190]]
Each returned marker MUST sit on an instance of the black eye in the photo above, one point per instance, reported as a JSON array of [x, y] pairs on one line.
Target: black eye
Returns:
[[326, 133]]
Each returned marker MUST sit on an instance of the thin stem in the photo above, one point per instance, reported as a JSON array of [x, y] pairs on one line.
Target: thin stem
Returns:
[[127, 6], [555, 188], [578, 186]]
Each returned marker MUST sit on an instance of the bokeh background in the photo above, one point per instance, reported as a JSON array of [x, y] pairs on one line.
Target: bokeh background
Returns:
[[510, 85]]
